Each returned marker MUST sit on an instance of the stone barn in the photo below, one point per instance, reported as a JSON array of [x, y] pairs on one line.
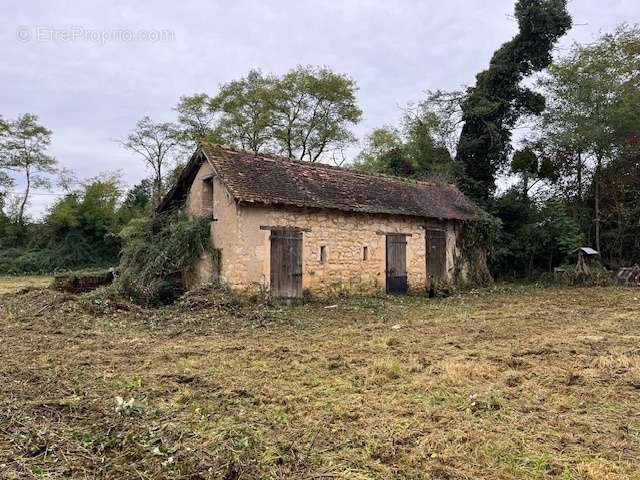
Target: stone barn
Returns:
[[288, 226]]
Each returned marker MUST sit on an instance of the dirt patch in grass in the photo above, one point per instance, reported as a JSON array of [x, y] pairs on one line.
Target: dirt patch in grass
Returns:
[[512, 383]]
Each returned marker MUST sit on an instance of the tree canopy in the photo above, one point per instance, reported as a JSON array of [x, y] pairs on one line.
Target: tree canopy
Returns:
[[418, 149], [592, 118], [496, 102], [305, 114], [23, 148], [156, 143]]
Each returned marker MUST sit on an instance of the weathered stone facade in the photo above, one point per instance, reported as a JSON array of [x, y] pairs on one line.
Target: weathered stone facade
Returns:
[[245, 246]]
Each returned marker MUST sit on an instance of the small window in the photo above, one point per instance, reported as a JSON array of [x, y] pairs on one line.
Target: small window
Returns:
[[207, 197], [323, 254], [365, 253]]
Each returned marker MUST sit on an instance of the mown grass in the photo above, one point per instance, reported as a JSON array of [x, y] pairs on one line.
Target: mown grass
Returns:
[[13, 284], [502, 383]]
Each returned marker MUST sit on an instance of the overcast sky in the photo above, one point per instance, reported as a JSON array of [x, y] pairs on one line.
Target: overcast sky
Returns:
[[90, 70]]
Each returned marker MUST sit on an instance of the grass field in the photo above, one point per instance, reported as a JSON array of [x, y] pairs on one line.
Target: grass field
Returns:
[[498, 384], [10, 284]]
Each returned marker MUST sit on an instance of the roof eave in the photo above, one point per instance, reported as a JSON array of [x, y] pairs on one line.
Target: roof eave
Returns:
[[265, 203], [183, 183]]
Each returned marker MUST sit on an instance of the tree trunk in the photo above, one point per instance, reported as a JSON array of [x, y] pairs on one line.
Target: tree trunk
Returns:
[[579, 175], [596, 179], [24, 200], [157, 194]]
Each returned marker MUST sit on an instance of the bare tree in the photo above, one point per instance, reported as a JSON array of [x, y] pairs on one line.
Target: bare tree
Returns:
[[157, 144], [67, 179]]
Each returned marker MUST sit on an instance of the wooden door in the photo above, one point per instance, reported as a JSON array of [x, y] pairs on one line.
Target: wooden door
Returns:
[[396, 264], [436, 256], [286, 264]]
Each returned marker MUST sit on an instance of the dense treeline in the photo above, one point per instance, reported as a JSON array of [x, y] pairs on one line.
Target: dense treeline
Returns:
[[80, 230], [575, 178], [571, 177]]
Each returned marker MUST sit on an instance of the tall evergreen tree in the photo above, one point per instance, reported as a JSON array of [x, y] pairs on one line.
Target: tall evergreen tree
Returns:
[[493, 106]]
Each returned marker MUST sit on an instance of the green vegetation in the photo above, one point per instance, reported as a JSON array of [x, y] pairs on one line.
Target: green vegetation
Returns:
[[492, 107], [580, 177], [589, 134], [577, 176], [304, 114], [477, 242], [573, 179], [420, 149], [80, 230], [156, 253]]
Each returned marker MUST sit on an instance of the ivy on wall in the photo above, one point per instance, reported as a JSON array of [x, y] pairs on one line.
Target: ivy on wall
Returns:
[[475, 245]]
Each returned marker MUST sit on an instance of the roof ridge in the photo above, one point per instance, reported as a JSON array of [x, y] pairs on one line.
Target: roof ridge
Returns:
[[321, 166]]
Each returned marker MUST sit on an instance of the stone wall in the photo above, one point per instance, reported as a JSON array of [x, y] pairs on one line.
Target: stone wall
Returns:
[[245, 247], [219, 205]]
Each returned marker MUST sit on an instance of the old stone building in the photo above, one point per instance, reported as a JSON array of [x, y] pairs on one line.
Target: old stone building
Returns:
[[288, 226]]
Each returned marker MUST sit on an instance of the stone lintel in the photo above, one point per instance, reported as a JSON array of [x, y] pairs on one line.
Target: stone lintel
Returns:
[[380, 232], [293, 229]]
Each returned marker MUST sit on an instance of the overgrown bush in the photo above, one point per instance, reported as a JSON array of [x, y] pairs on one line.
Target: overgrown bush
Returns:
[[155, 254], [40, 261], [80, 230], [476, 242], [35, 261], [599, 276]]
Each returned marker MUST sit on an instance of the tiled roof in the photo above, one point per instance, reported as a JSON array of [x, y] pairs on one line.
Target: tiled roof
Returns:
[[268, 180]]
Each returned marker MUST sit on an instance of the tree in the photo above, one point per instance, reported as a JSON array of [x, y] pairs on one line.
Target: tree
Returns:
[[620, 208], [23, 149], [426, 143], [493, 106], [5, 180], [197, 119], [536, 234], [304, 114], [139, 197], [419, 149], [562, 232], [586, 153], [592, 114], [246, 111], [377, 145], [525, 163], [67, 179], [156, 143], [313, 109], [85, 223]]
